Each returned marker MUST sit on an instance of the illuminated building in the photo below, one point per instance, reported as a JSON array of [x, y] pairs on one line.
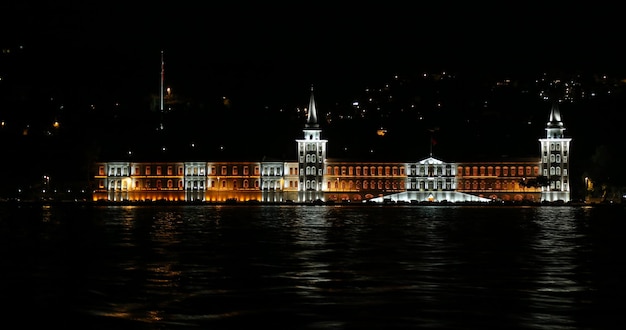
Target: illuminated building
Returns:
[[555, 159], [313, 177]]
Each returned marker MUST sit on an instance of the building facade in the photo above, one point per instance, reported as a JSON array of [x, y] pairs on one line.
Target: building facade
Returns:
[[313, 177]]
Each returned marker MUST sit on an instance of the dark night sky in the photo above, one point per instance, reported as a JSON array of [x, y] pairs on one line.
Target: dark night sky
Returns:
[[272, 50], [313, 43]]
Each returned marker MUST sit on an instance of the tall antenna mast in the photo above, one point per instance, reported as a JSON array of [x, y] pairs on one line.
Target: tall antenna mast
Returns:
[[162, 78], [432, 139]]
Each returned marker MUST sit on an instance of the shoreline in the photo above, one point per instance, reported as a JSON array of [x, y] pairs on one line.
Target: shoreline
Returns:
[[308, 203]]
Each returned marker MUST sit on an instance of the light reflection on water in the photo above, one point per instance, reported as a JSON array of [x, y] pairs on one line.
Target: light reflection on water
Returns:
[[315, 266]]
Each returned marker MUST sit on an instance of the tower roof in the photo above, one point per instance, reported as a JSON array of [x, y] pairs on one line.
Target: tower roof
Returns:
[[555, 116], [311, 120], [555, 128]]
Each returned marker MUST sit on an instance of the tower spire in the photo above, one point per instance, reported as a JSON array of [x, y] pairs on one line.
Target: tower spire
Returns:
[[311, 120], [554, 127]]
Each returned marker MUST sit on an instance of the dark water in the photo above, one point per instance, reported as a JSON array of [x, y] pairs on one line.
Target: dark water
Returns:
[[313, 267]]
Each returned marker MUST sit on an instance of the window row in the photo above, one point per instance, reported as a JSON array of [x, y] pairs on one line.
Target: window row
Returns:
[[431, 185], [554, 158], [431, 170], [365, 170], [499, 170], [179, 184], [372, 184], [557, 146], [497, 185], [122, 170], [554, 170]]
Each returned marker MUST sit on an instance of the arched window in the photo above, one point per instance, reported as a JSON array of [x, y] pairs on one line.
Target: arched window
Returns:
[[552, 158]]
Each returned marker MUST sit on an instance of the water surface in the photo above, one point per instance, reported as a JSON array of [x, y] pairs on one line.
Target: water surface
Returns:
[[313, 267]]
